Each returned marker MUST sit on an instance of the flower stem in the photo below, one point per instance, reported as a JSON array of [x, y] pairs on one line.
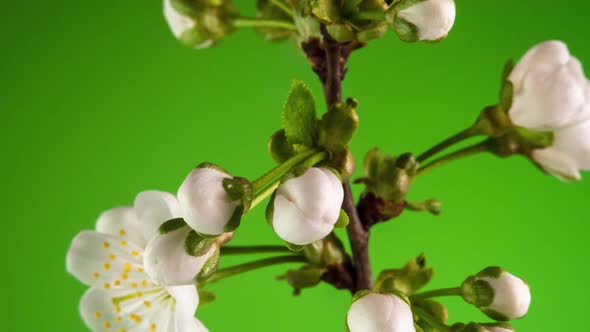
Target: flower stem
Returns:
[[264, 193], [246, 267], [468, 151], [266, 179], [282, 6], [429, 319], [459, 137], [437, 293], [248, 22], [244, 250]]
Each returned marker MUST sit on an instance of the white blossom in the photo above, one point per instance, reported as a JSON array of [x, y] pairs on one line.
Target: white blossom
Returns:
[[429, 20], [306, 208], [376, 312], [205, 204], [122, 296], [551, 93], [512, 296]]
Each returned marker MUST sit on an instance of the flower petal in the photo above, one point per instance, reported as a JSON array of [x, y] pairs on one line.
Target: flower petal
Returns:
[[122, 222], [380, 313], [105, 261], [206, 206], [550, 53], [292, 225], [154, 208], [433, 18], [168, 263]]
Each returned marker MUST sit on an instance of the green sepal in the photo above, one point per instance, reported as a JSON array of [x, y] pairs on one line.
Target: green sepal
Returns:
[[270, 209], [213, 167], [234, 221], [490, 272], [279, 148], [343, 220], [506, 95], [197, 245], [502, 325], [210, 267], [360, 294], [436, 310], [304, 277], [338, 125], [171, 225], [294, 247], [407, 280], [239, 188], [299, 115], [508, 68], [477, 292], [418, 328], [206, 297], [535, 139], [495, 315], [471, 327]]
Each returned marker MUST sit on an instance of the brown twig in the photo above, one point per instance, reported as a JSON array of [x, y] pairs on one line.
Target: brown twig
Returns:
[[328, 59]]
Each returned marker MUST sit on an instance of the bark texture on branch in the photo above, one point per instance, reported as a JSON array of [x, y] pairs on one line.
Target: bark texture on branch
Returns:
[[328, 59]]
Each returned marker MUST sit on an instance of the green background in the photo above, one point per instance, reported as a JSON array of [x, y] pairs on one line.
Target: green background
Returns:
[[99, 102]]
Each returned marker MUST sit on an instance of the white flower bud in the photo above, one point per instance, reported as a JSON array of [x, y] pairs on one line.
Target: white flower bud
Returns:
[[425, 20], [551, 93], [205, 204], [307, 207], [499, 294], [167, 262], [376, 312]]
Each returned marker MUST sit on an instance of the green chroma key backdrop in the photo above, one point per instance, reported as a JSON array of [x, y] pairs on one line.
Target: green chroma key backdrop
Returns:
[[98, 101]]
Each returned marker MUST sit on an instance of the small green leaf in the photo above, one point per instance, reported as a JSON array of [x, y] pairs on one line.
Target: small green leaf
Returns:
[[279, 148], [171, 225], [197, 245], [299, 115]]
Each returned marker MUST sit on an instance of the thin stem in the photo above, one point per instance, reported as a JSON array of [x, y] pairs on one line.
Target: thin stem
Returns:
[[244, 250], [254, 265], [429, 319], [459, 137], [264, 193], [252, 22], [468, 151], [282, 6], [276, 172], [437, 293]]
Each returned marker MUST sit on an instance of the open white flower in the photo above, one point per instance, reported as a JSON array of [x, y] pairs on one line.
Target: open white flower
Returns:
[[306, 208], [376, 312], [426, 20], [499, 294], [205, 204], [122, 296], [551, 93]]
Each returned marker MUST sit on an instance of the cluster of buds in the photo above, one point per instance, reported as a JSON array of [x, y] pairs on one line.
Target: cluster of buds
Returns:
[[396, 306]]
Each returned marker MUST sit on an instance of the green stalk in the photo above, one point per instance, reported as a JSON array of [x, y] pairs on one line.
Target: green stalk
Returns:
[[429, 319], [278, 171], [244, 250], [254, 265], [264, 194], [247, 22], [437, 293], [468, 151], [457, 138], [282, 6]]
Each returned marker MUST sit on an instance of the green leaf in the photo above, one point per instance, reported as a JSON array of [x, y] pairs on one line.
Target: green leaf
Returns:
[[279, 148], [299, 115], [197, 245]]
